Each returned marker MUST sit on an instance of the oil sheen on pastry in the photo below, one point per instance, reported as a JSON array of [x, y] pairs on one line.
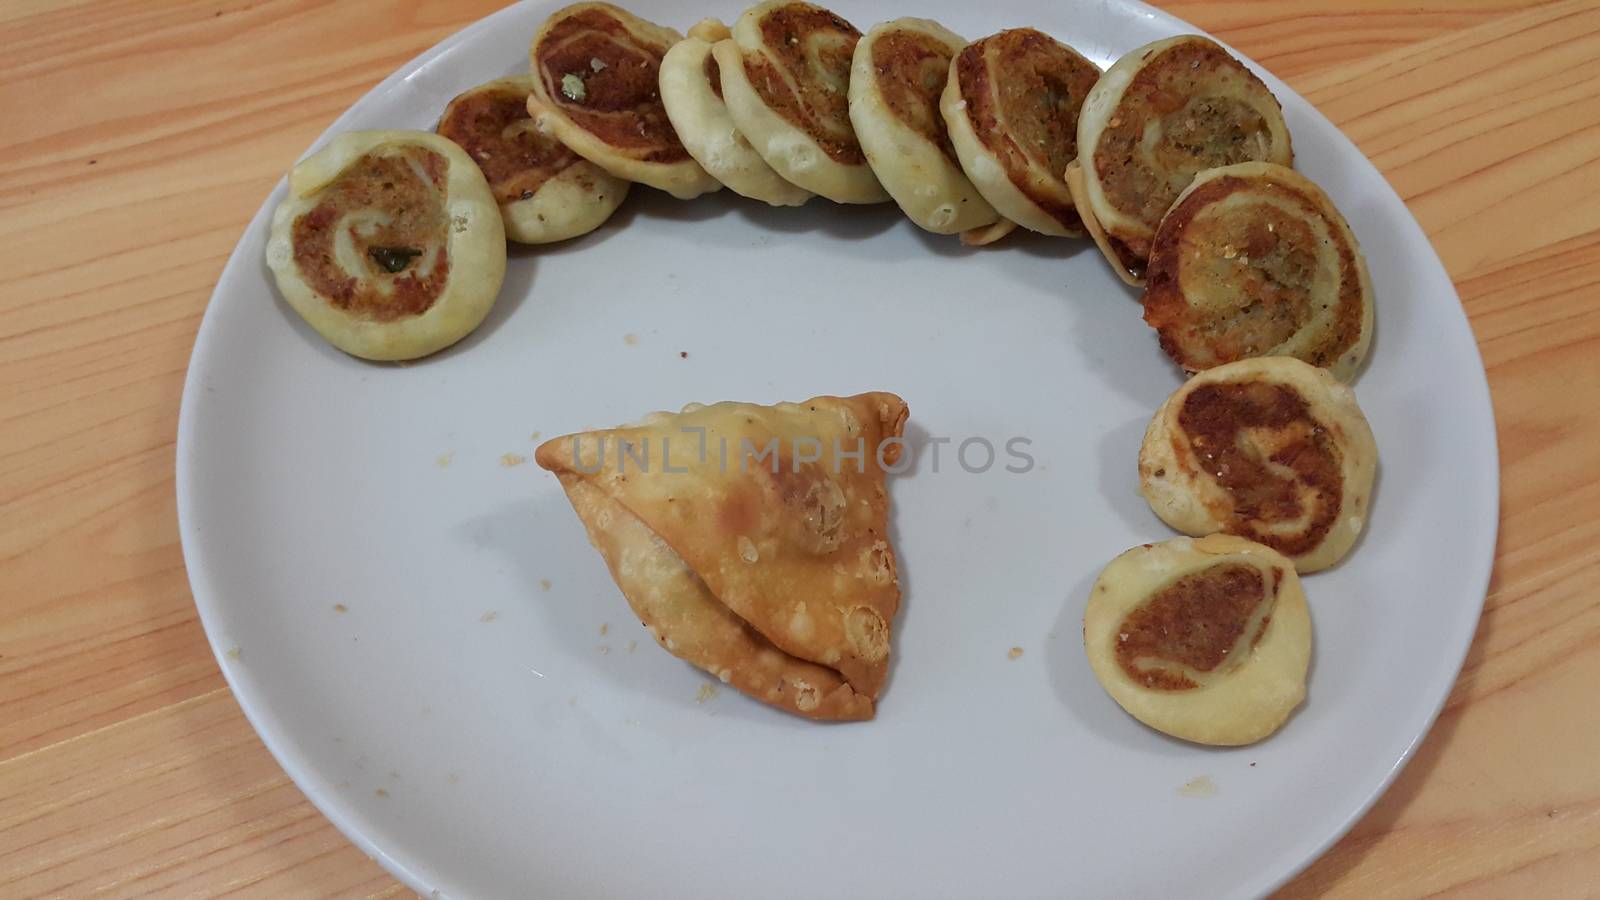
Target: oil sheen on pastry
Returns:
[[1254, 260], [545, 191], [389, 244], [1011, 101], [1271, 449], [897, 74], [596, 89], [1161, 115], [786, 81], [691, 91], [762, 515], [688, 621], [1207, 639]]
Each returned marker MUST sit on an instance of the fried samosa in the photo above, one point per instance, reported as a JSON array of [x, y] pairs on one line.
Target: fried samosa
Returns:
[[753, 540]]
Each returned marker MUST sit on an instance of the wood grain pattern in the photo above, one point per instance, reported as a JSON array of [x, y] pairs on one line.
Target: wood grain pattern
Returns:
[[139, 139]]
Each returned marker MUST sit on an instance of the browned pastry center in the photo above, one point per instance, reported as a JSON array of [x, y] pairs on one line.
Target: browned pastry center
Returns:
[[803, 74], [391, 207], [1023, 92], [911, 68], [495, 129], [1195, 624], [605, 79], [1260, 442], [1195, 130], [1263, 259]]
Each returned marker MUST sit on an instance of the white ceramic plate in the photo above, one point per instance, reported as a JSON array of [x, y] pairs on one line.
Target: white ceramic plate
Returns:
[[532, 755]]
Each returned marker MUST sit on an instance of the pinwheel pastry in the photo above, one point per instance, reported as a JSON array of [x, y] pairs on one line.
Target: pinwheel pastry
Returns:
[[1011, 101], [896, 78], [596, 89], [785, 78], [1254, 260], [1161, 115], [691, 91], [389, 244], [1207, 640], [1270, 449], [753, 540], [545, 191]]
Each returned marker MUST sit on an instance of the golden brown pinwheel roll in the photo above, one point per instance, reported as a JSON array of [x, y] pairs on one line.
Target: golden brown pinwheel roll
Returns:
[[1270, 449], [596, 89], [389, 244], [786, 80], [1161, 115], [896, 78], [1254, 260], [545, 191], [1204, 639], [1011, 101], [691, 91]]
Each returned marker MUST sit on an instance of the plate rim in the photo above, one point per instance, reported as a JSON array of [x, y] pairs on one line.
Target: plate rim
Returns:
[[1452, 651]]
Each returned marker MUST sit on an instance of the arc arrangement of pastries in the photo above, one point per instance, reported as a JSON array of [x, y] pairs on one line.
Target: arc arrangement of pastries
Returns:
[[778, 578]]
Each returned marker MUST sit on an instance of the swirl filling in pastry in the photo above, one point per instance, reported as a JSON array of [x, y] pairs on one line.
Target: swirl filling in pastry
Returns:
[[1254, 260], [1161, 115], [1276, 463], [388, 243], [896, 81], [596, 88], [1270, 449], [494, 127], [545, 191], [374, 244], [786, 74], [1013, 103], [602, 76], [1204, 639], [802, 72], [691, 91], [1201, 625]]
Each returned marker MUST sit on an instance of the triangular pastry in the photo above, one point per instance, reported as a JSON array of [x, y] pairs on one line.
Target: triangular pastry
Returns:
[[773, 519], [688, 620]]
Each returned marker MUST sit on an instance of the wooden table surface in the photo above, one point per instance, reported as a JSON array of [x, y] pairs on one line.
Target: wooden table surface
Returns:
[[139, 136]]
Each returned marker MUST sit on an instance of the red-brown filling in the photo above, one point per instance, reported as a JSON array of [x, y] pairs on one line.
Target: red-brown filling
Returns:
[[1193, 624], [714, 74], [1198, 131], [1245, 435], [1258, 262], [804, 75], [911, 69], [604, 78], [494, 127], [404, 192], [1023, 91]]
